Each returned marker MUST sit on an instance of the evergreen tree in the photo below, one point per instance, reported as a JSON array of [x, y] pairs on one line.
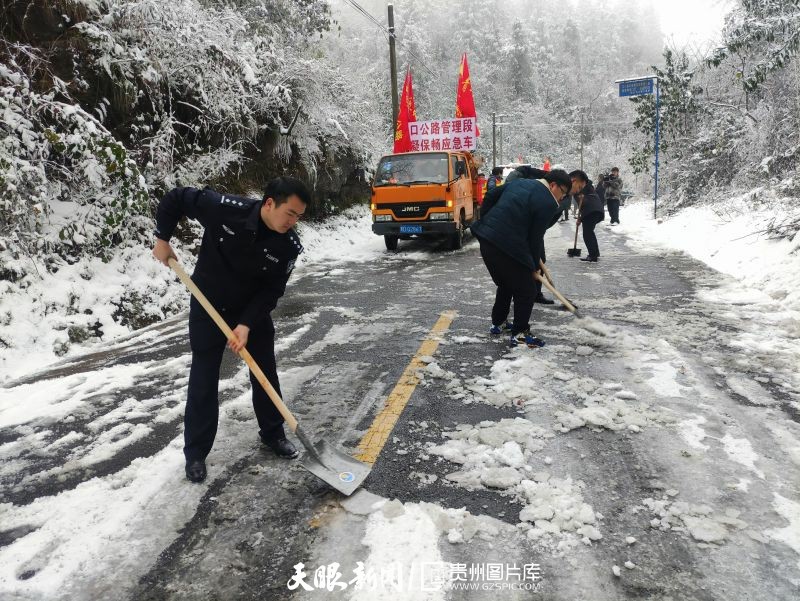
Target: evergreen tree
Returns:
[[678, 107], [519, 71]]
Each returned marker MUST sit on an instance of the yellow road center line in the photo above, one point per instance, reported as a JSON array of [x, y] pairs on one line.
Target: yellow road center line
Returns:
[[373, 441]]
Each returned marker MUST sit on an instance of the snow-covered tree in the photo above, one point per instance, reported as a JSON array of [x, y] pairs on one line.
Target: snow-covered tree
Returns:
[[765, 34]]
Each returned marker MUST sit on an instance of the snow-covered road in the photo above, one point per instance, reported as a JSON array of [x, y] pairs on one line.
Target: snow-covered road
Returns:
[[649, 450]]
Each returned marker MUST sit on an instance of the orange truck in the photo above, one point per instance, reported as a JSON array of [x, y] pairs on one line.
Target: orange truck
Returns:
[[425, 194]]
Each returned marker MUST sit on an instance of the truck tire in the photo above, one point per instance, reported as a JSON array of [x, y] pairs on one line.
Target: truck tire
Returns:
[[391, 241], [457, 237]]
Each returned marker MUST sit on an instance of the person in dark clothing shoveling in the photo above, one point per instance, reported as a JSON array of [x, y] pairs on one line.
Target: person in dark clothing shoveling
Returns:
[[592, 213], [511, 237], [527, 172], [248, 252]]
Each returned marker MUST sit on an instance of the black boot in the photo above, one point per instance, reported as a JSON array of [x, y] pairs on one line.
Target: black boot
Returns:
[[282, 447], [543, 300], [589, 259], [195, 470]]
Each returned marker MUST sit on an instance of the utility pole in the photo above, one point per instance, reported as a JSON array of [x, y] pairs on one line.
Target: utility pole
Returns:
[[393, 70], [494, 146], [495, 125], [501, 144], [658, 127]]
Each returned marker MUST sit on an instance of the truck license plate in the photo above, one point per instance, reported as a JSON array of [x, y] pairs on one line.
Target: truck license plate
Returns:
[[410, 229]]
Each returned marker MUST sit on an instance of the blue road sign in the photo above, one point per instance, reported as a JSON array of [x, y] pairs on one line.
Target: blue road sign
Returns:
[[643, 87], [636, 87]]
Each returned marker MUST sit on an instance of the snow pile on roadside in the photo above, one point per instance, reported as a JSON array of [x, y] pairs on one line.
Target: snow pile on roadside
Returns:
[[346, 237], [62, 314], [730, 236]]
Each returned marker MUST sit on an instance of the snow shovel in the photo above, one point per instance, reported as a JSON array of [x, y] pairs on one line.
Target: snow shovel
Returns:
[[322, 459], [549, 277], [575, 251], [558, 295]]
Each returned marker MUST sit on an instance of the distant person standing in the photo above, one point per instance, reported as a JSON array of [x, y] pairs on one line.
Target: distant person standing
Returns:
[[495, 179], [601, 189], [592, 213], [546, 166], [612, 186], [565, 205]]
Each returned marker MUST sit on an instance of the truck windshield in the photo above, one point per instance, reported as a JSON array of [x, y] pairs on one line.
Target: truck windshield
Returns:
[[409, 169]]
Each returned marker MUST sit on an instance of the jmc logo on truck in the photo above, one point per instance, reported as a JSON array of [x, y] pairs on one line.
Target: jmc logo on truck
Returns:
[[425, 194]]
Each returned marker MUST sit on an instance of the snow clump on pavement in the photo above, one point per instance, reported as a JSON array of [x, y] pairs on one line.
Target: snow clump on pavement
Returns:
[[497, 455], [701, 522]]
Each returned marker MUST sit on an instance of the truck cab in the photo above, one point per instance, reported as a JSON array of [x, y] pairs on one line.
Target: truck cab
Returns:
[[425, 194]]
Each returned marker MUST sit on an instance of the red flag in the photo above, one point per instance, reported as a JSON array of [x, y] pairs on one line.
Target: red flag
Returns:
[[465, 103], [406, 114]]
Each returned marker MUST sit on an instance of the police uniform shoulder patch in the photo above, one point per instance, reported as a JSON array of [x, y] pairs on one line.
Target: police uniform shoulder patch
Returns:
[[294, 241], [236, 201]]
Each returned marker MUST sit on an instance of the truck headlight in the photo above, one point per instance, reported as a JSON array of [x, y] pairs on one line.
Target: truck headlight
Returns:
[[441, 217], [383, 217]]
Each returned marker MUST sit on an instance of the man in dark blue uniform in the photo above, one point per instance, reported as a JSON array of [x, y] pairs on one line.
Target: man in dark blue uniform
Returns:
[[511, 237], [248, 251]]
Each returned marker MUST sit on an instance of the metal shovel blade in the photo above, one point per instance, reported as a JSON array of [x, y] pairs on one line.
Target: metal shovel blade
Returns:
[[574, 252], [333, 466]]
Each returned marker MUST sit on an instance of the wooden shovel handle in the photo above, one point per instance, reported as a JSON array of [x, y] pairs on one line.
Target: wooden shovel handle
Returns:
[[546, 272], [556, 293], [577, 223], [244, 354]]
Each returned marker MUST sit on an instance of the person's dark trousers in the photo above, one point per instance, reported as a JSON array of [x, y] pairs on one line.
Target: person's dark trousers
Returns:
[[589, 237], [202, 406], [566, 213], [261, 344], [514, 281], [613, 209]]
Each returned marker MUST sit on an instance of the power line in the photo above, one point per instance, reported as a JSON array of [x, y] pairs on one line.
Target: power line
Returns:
[[364, 12], [385, 30], [565, 123]]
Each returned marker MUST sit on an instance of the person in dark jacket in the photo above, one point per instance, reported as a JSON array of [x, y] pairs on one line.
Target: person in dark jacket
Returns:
[[592, 213], [612, 185], [566, 204], [511, 238], [492, 196], [495, 179], [248, 252], [524, 172], [601, 189]]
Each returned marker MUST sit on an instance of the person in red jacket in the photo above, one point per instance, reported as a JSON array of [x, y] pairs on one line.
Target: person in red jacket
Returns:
[[546, 165]]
